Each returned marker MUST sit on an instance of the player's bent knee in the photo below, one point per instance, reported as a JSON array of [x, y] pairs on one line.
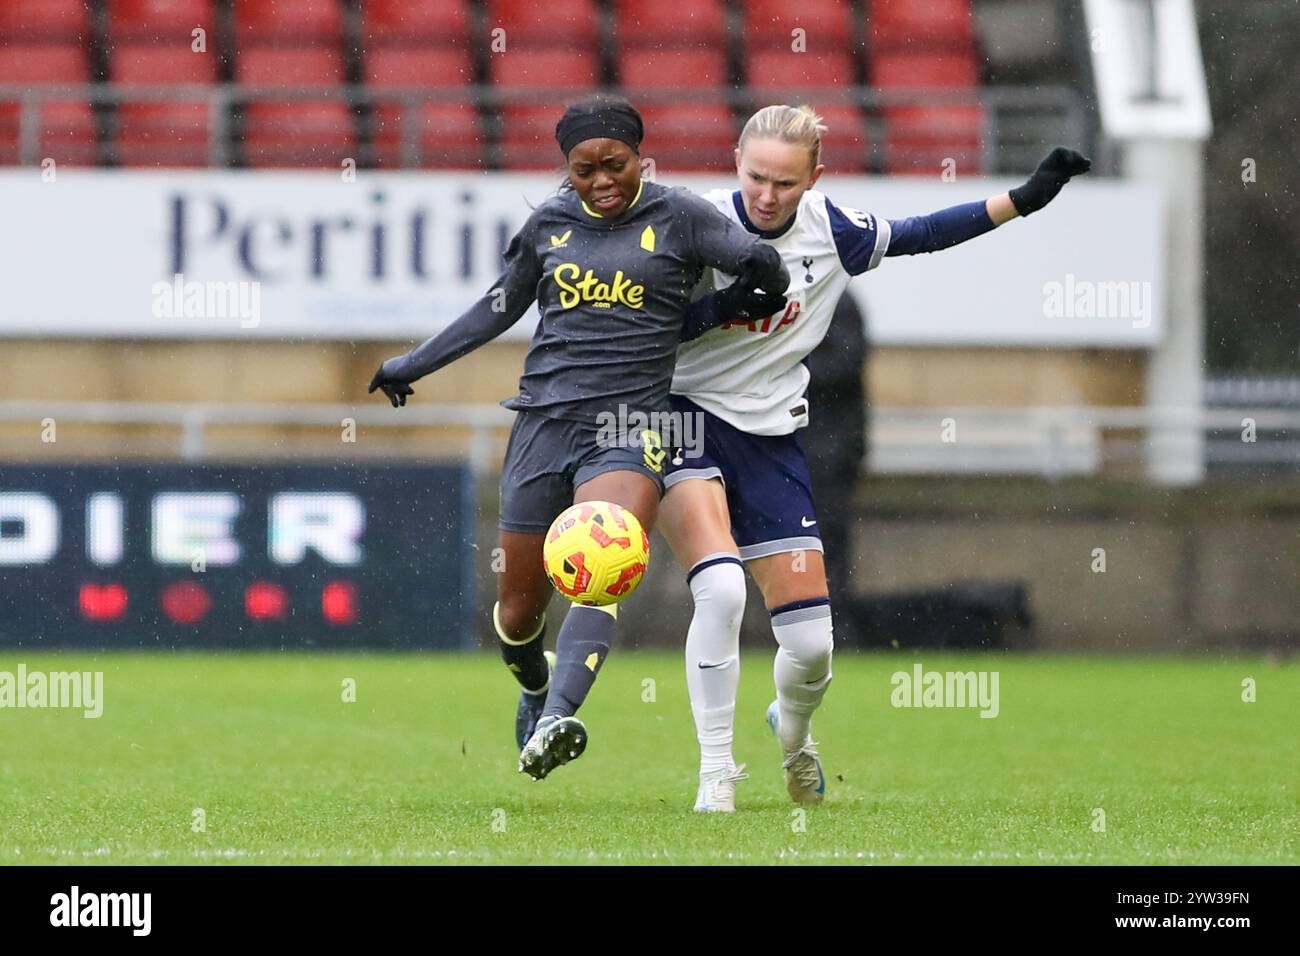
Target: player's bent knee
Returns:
[[718, 582], [518, 618], [803, 629]]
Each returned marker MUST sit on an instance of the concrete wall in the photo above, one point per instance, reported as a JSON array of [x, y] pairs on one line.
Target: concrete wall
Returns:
[[248, 371]]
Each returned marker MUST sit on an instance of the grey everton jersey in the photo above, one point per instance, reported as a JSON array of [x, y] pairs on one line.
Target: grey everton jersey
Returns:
[[612, 294]]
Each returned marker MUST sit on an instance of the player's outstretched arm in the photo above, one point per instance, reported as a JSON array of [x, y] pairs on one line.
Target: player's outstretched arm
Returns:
[[510, 297], [957, 224]]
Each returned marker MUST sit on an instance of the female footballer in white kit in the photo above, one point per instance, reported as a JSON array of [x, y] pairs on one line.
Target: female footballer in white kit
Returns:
[[747, 497]]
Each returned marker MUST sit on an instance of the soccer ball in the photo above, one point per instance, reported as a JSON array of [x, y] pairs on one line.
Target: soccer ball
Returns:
[[595, 553]]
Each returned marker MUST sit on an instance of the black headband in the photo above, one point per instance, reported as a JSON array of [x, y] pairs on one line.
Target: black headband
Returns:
[[606, 123]]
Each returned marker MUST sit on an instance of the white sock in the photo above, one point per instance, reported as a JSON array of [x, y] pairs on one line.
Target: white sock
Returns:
[[718, 585], [802, 668]]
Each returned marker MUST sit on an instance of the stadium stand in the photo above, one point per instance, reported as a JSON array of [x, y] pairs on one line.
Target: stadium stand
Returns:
[[920, 46], [290, 23], [919, 138], [567, 24], [696, 135], [933, 24], [527, 139], [157, 21], [897, 80], [653, 24], [172, 133], [296, 133], [447, 132], [827, 25], [64, 128], [415, 24], [44, 21]]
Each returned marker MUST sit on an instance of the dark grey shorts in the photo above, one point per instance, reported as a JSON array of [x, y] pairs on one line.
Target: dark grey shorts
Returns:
[[547, 458]]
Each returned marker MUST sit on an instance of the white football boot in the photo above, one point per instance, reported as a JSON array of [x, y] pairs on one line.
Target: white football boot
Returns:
[[804, 778], [717, 793]]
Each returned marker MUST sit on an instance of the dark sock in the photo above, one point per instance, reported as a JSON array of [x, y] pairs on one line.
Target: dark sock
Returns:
[[582, 646], [527, 661]]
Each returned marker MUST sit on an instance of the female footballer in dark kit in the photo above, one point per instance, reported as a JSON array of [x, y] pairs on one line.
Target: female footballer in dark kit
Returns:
[[612, 263]]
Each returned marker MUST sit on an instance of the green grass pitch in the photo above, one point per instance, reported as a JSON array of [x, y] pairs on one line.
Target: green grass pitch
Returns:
[[421, 768]]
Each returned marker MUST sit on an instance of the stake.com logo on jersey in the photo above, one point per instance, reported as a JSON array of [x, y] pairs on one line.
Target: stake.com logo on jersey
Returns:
[[602, 295]]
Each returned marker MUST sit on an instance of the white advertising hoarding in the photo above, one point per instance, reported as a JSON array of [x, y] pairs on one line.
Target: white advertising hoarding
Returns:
[[293, 255]]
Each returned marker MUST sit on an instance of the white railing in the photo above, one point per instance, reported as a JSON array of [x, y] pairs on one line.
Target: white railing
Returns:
[[1050, 441], [1017, 121]]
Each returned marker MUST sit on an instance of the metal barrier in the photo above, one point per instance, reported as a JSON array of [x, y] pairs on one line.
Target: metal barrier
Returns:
[[1049, 441], [1055, 113]]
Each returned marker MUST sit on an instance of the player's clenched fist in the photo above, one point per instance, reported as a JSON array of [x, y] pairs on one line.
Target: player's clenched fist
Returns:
[[761, 268], [1052, 173], [735, 302], [392, 381]]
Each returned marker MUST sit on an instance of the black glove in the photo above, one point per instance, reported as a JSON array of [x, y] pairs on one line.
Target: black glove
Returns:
[[1052, 173], [739, 303], [761, 267], [392, 380]]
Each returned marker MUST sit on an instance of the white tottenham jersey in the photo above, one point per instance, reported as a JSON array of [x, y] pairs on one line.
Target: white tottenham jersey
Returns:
[[752, 374]]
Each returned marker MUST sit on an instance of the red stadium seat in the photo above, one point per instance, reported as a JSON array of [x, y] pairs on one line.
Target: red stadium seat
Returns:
[[908, 23], [922, 140], [448, 131], [566, 24], [288, 22], [528, 137], [44, 64], [528, 131], [402, 67], [45, 21], [784, 70], [672, 69], [544, 68], [160, 65], [66, 131], [302, 133], [695, 138], [170, 20], [66, 134], [283, 67], [925, 70], [306, 134], [151, 133], [700, 25], [918, 138], [827, 24], [163, 134], [449, 136], [387, 23], [845, 147]]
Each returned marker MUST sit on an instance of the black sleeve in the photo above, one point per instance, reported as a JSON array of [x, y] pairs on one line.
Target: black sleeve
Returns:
[[701, 316], [508, 299]]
